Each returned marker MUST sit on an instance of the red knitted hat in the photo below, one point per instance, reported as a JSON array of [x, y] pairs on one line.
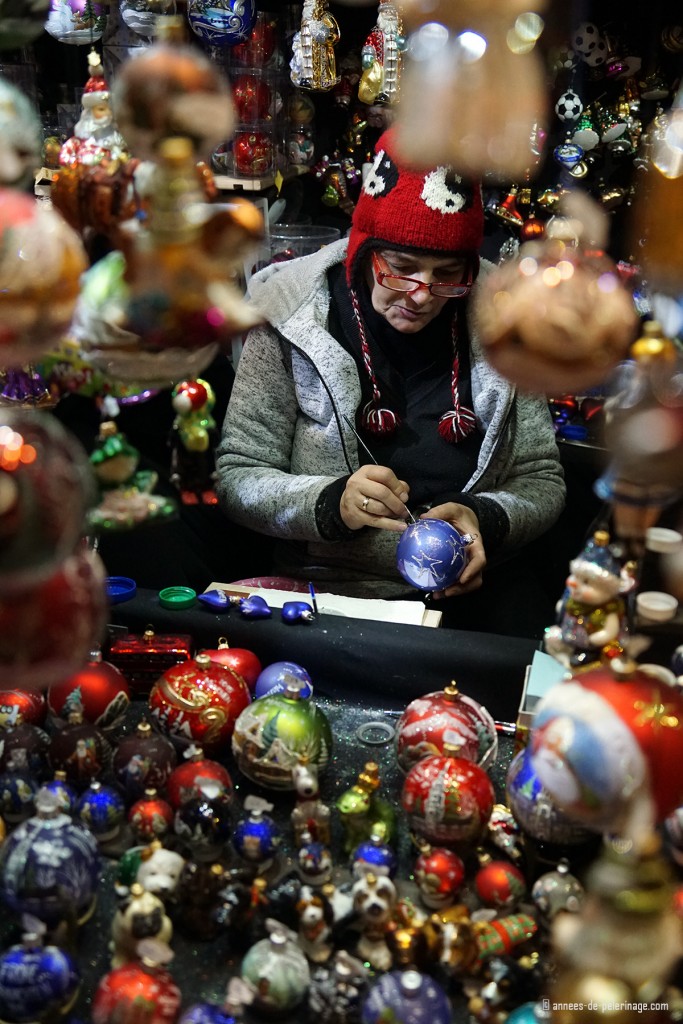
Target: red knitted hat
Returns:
[[433, 210]]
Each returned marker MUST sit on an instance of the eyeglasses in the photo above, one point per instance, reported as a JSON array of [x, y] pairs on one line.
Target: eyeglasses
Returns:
[[410, 285]]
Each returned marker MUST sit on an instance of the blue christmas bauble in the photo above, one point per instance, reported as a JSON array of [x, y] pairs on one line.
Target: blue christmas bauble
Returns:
[[375, 856], [49, 866], [206, 1013], [256, 838], [66, 794], [17, 795], [222, 22], [431, 554], [102, 810], [406, 997], [534, 810], [274, 679], [36, 982]]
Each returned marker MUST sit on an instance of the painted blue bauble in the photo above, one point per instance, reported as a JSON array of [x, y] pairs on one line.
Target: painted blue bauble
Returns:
[[431, 554], [36, 982], [568, 154], [206, 1013], [222, 22], [50, 866], [256, 838], [376, 857], [533, 808], [274, 679], [407, 996], [17, 795], [102, 810], [67, 796]]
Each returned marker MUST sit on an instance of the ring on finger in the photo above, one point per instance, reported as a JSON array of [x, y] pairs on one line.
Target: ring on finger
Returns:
[[364, 504]]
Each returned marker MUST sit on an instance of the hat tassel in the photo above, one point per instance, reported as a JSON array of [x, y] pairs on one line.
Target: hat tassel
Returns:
[[379, 421], [456, 424]]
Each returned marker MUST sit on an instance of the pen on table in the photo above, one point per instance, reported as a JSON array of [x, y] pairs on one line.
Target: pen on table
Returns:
[[311, 591], [362, 442]]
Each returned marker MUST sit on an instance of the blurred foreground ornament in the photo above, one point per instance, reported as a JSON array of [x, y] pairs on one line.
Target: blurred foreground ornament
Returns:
[[41, 261], [608, 746], [37, 982], [21, 24], [144, 987], [277, 970], [445, 717], [193, 438], [77, 22], [557, 318], [538, 814], [406, 996], [21, 136], [466, 61], [622, 946], [140, 16], [313, 63], [381, 57]]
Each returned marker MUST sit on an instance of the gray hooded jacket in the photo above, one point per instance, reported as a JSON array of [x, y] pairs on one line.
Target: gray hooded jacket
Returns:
[[285, 438]]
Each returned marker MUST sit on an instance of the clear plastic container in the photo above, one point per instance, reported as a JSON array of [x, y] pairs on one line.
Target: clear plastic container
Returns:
[[287, 241]]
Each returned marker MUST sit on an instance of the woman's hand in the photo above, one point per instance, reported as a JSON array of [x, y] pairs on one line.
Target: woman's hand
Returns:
[[465, 521], [374, 496]]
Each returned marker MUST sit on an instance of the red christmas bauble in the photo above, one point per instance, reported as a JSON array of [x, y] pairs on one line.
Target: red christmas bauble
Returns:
[[258, 49], [80, 751], [199, 775], [151, 817], [199, 701], [100, 689], [252, 152], [500, 884], [243, 663], [448, 800], [143, 760], [252, 98], [439, 873], [49, 628], [17, 706], [133, 994], [446, 717]]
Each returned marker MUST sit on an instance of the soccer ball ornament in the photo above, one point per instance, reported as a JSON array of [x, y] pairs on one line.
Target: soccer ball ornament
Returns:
[[447, 800], [447, 717], [569, 106], [199, 701], [432, 554], [607, 744], [585, 39]]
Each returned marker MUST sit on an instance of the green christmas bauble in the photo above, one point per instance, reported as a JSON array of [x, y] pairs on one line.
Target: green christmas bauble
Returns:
[[276, 732]]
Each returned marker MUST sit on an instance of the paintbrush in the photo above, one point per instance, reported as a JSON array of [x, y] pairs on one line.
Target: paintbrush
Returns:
[[362, 442]]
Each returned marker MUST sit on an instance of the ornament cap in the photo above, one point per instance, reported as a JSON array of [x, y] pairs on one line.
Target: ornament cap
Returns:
[[144, 729], [451, 691], [411, 982]]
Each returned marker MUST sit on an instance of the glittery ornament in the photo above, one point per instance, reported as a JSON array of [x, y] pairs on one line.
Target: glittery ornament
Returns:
[[275, 731], [445, 717], [447, 800], [147, 987], [36, 981], [102, 810], [223, 22]]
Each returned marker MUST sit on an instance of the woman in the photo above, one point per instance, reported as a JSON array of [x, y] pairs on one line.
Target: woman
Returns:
[[368, 339]]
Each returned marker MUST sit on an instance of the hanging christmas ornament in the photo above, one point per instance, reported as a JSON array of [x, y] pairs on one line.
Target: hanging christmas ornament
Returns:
[[606, 744], [192, 442], [557, 892], [199, 702], [448, 800], [381, 56], [584, 134], [612, 122], [277, 969], [538, 814], [222, 22], [195, 775], [469, 59], [17, 706], [252, 96], [439, 874], [558, 318], [506, 210], [99, 690], [48, 628], [40, 266], [145, 986], [313, 64], [37, 982], [21, 136], [141, 16], [96, 139], [77, 22], [151, 817], [102, 810], [276, 677], [431, 554], [445, 717], [275, 731], [615, 63], [569, 106], [21, 25], [49, 867], [585, 38], [257, 837]]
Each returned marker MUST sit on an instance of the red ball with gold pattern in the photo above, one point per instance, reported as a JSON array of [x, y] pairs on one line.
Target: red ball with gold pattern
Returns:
[[17, 706], [253, 153], [448, 800], [243, 662], [446, 717], [198, 775], [499, 884], [137, 992], [198, 702], [151, 817], [439, 873], [99, 689]]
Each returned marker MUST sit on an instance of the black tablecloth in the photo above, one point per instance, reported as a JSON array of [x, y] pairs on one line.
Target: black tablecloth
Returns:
[[382, 664]]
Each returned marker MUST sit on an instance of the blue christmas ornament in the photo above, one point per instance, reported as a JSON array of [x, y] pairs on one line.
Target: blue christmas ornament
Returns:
[[406, 997], [568, 154], [526, 1014], [17, 795], [276, 677], [222, 22], [257, 837], [207, 1013], [255, 607], [102, 810], [37, 982], [534, 810], [431, 554], [297, 611], [375, 856], [215, 600], [67, 796], [49, 866]]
